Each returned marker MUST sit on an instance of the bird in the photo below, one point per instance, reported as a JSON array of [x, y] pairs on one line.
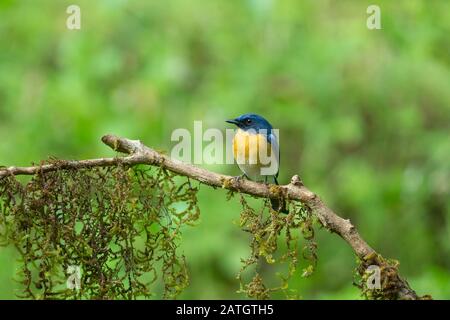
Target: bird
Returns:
[[256, 151]]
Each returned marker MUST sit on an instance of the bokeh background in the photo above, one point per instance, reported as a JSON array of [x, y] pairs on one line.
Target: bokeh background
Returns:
[[364, 115]]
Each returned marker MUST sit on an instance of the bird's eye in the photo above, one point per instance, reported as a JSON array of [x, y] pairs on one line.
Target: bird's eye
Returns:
[[248, 121]]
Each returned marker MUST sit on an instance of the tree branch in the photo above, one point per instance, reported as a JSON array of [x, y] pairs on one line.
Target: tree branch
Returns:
[[138, 153]]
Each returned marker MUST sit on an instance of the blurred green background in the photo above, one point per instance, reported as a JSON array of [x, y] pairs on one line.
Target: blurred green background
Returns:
[[364, 115]]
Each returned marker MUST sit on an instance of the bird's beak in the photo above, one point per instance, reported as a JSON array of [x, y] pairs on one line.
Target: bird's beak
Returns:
[[233, 121]]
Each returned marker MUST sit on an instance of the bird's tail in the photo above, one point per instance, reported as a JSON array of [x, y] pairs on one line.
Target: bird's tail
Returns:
[[278, 204]]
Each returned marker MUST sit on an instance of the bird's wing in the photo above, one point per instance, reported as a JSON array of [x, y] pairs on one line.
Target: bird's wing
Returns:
[[272, 139]]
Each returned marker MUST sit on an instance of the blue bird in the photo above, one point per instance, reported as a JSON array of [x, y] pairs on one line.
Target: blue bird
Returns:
[[256, 150]]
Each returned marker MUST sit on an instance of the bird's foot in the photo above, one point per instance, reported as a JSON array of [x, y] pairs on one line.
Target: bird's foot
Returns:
[[266, 180], [239, 178]]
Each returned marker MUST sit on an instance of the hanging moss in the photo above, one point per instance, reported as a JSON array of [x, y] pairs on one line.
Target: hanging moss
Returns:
[[119, 226], [269, 229], [118, 229]]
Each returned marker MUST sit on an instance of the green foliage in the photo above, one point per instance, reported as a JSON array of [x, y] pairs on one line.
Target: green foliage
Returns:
[[121, 226]]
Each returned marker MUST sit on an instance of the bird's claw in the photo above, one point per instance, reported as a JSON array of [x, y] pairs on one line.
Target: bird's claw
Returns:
[[239, 178]]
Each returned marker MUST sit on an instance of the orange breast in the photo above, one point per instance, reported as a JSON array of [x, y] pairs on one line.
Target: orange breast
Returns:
[[247, 147]]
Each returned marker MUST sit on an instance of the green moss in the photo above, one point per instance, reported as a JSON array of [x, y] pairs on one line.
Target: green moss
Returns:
[[116, 224], [275, 239]]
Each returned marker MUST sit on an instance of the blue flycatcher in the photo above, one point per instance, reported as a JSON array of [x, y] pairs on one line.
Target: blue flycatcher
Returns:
[[256, 150]]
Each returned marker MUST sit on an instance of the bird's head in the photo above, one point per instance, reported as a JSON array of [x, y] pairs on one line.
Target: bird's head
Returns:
[[251, 121]]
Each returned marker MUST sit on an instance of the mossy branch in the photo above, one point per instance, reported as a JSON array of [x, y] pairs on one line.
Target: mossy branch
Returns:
[[138, 153]]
